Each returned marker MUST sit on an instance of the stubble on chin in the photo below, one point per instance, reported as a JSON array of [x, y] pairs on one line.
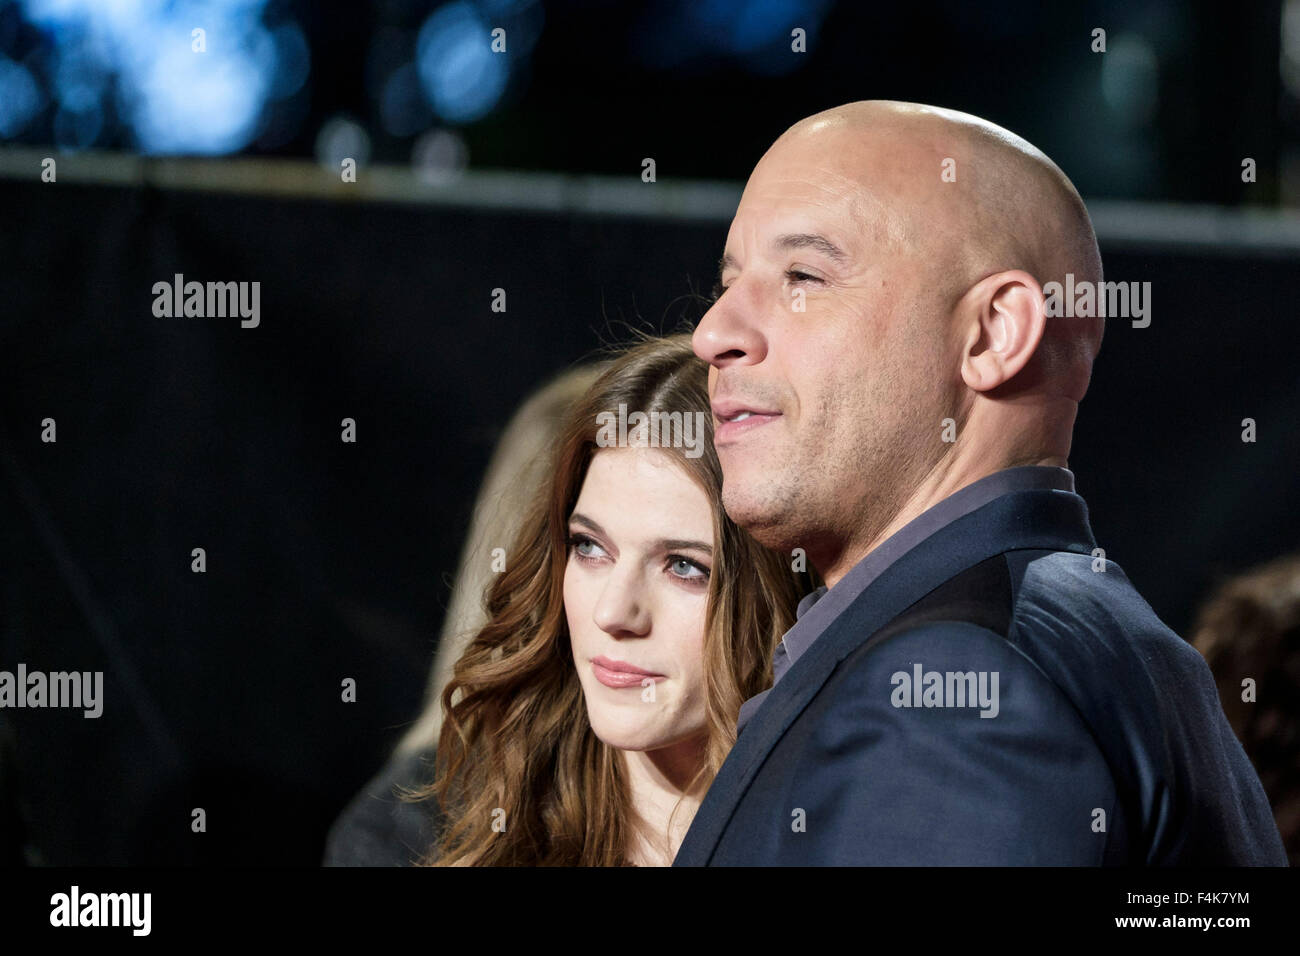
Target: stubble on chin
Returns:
[[770, 507]]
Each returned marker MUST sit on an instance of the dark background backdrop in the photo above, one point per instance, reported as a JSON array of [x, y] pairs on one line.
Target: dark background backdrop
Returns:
[[328, 560]]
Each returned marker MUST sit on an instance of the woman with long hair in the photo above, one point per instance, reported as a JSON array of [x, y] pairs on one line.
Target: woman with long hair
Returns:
[[585, 720]]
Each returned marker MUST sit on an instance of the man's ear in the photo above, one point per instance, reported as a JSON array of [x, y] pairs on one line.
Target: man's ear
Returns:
[[1002, 321]]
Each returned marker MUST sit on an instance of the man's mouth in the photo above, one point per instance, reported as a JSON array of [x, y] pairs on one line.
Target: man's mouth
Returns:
[[734, 419]]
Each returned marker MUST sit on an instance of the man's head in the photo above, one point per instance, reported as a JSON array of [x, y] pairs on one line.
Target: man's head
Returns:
[[884, 273]]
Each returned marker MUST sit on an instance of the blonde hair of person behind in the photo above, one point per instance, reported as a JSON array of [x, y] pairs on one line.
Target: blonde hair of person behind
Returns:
[[515, 473], [516, 747]]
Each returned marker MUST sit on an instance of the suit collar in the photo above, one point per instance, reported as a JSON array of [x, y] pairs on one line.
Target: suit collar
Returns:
[[1048, 520], [818, 609]]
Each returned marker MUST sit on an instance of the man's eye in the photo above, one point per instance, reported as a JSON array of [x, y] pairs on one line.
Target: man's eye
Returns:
[[794, 275]]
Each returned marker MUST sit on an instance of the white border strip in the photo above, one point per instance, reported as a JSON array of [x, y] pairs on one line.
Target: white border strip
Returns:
[[1197, 227], [1204, 228], [712, 201]]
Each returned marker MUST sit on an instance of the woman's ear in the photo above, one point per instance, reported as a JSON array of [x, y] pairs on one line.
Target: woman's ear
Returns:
[[1003, 318]]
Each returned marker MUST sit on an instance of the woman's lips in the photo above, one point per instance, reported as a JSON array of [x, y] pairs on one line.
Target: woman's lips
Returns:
[[620, 674]]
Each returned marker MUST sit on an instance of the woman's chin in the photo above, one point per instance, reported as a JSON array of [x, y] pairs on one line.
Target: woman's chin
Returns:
[[624, 737], [627, 730], [640, 737]]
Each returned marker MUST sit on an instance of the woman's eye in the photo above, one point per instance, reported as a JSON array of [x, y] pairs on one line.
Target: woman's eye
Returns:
[[718, 289], [794, 275], [686, 569], [585, 547]]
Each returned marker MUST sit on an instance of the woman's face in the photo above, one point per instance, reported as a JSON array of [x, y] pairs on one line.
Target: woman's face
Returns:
[[635, 594]]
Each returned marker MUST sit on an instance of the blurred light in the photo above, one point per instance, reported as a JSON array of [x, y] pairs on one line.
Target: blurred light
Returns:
[[192, 102], [20, 98], [389, 48], [521, 19], [1129, 77], [402, 108], [80, 118], [290, 60], [77, 65], [755, 31], [461, 76], [173, 98], [77, 129], [439, 157], [503, 9], [749, 25], [1291, 46], [339, 139]]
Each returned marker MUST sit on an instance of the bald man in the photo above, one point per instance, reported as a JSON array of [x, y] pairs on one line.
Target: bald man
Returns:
[[976, 684]]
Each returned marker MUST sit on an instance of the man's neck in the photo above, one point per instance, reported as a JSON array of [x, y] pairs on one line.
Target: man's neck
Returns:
[[943, 480]]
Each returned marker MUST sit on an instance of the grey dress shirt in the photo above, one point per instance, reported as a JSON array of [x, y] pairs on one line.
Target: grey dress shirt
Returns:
[[817, 610]]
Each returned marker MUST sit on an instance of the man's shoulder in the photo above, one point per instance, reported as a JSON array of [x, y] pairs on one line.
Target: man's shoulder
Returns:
[[1152, 703], [951, 666], [1062, 623], [967, 751], [1082, 615], [1060, 651], [965, 624], [1034, 696]]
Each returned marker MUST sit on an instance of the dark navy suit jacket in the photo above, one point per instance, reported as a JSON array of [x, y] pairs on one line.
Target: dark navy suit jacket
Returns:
[[1109, 745]]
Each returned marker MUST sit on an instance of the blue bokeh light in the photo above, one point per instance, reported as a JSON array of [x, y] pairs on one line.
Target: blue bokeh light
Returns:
[[461, 76], [138, 57], [20, 98], [754, 32]]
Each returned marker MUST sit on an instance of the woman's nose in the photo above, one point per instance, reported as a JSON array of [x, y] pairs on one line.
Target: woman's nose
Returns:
[[622, 608]]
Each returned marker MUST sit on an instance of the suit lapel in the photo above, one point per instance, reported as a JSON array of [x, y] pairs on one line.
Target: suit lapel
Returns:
[[1038, 519]]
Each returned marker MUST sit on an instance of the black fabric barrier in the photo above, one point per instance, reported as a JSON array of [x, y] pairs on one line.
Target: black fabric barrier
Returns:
[[328, 560]]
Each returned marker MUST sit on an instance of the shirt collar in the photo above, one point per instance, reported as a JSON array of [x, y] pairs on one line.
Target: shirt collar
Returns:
[[817, 610], [960, 503]]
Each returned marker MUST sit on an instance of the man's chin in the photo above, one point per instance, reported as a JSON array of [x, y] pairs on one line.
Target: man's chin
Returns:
[[758, 513]]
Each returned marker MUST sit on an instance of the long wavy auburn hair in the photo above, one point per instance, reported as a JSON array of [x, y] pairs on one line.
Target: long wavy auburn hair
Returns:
[[521, 777]]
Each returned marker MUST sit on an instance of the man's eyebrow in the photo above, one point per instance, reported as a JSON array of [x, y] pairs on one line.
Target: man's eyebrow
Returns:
[[794, 240], [808, 240]]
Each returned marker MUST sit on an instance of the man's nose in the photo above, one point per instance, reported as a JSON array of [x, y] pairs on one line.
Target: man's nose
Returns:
[[728, 334], [623, 608]]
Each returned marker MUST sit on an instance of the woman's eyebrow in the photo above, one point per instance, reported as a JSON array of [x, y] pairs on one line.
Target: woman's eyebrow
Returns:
[[681, 544], [663, 544], [578, 518]]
